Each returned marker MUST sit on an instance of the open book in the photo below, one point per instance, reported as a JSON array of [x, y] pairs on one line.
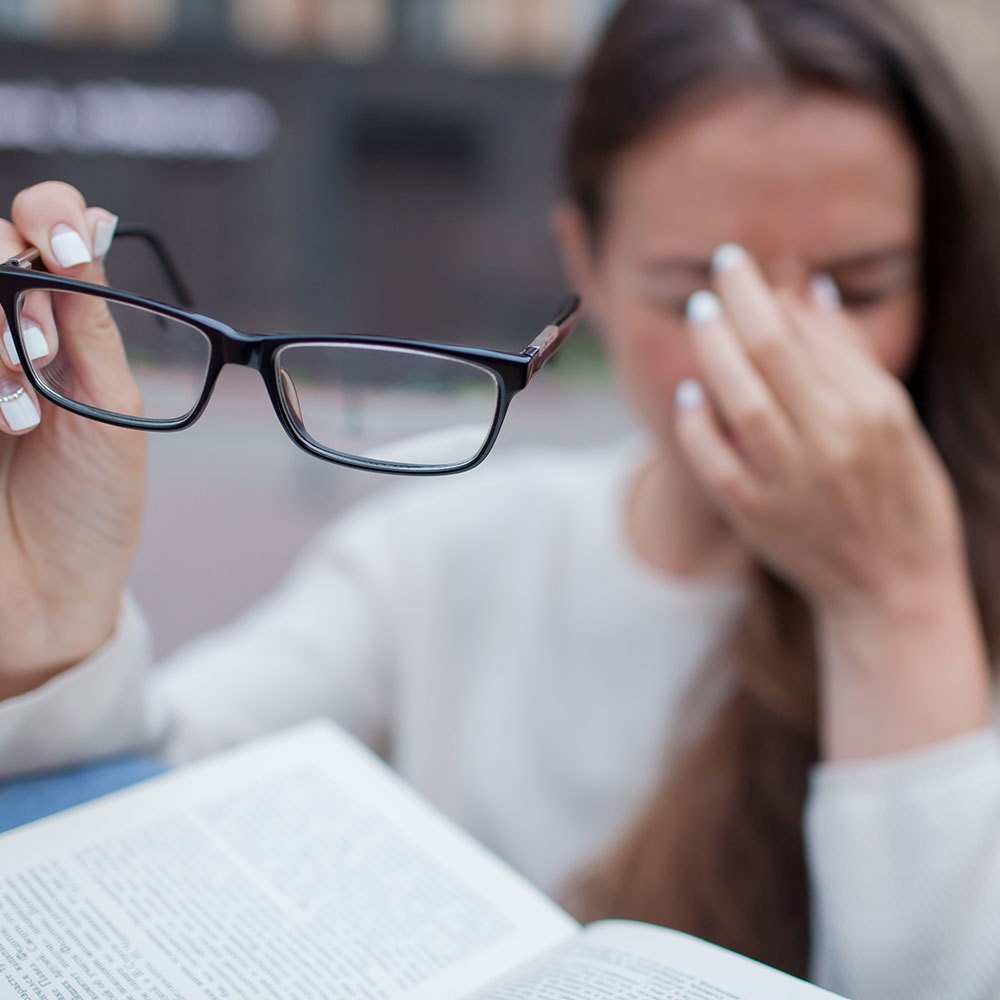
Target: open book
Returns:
[[301, 866]]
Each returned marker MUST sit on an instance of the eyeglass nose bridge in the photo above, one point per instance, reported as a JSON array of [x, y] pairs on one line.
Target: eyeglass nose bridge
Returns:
[[257, 352], [234, 347], [241, 349]]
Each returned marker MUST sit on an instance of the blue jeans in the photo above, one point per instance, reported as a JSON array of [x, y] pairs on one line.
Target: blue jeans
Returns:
[[31, 798]]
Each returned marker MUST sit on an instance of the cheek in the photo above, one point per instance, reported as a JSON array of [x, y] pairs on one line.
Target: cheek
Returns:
[[652, 355], [894, 332]]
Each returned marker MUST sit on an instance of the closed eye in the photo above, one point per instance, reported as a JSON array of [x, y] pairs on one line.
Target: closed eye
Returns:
[[670, 301], [861, 297], [673, 306], [869, 282]]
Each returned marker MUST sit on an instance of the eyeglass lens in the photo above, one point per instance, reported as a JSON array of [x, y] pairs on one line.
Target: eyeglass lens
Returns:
[[168, 359], [388, 405]]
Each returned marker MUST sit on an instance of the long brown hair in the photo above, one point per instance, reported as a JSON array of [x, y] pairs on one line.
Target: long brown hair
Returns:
[[719, 851]]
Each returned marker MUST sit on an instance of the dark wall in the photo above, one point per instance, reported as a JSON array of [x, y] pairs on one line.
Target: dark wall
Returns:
[[398, 198]]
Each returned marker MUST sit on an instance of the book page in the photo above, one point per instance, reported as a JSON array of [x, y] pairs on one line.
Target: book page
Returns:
[[618, 960], [298, 867]]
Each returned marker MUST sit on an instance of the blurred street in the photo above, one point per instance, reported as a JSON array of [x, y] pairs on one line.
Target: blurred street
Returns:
[[232, 499]]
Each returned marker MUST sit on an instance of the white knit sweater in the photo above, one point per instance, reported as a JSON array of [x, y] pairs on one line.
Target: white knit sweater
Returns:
[[496, 638]]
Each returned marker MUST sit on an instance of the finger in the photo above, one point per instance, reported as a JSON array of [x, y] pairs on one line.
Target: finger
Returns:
[[836, 344], [37, 327], [73, 238], [52, 217], [102, 225], [18, 406], [741, 396], [827, 300], [93, 366], [763, 329], [11, 241], [11, 244], [863, 403], [825, 327], [702, 441]]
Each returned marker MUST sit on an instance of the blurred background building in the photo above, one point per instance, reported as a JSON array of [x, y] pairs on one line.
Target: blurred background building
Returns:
[[378, 166], [286, 146]]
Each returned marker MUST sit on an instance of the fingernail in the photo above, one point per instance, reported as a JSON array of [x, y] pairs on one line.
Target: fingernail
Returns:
[[825, 292], [689, 394], [16, 406], [703, 307], [104, 233], [9, 349], [34, 342], [727, 257], [68, 247]]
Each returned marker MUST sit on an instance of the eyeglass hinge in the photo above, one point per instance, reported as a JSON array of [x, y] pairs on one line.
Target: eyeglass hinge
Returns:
[[534, 361], [23, 260], [539, 347]]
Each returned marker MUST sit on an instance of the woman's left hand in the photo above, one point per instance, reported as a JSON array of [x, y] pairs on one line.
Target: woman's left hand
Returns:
[[812, 451]]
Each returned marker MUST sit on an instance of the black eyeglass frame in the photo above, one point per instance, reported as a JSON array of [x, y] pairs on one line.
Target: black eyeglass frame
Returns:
[[511, 372]]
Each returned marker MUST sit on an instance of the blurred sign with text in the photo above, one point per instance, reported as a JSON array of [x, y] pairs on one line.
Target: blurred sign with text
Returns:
[[133, 119]]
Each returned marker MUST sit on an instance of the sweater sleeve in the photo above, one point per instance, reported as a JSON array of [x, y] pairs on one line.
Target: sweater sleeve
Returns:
[[317, 646], [904, 854], [321, 644], [95, 709]]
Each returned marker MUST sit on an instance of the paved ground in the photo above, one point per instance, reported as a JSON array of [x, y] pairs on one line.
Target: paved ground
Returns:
[[232, 500]]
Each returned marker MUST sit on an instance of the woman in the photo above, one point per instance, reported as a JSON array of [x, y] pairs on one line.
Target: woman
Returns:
[[635, 672], [838, 655]]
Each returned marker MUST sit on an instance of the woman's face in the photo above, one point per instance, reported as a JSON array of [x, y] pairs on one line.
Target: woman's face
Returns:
[[810, 184]]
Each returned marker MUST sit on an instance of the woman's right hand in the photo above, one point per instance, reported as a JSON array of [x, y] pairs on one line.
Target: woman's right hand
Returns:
[[72, 488]]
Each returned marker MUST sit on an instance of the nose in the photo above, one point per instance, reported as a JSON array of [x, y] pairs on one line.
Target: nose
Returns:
[[792, 276]]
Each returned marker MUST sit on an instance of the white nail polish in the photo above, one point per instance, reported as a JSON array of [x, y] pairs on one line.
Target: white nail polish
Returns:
[[825, 292], [9, 349], [34, 340], [689, 394], [104, 233], [727, 257], [17, 408], [68, 247], [703, 307]]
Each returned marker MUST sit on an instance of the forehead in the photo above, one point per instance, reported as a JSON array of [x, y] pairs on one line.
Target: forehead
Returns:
[[781, 173]]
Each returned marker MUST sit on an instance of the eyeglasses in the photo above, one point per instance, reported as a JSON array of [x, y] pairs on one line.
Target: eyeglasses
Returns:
[[387, 405]]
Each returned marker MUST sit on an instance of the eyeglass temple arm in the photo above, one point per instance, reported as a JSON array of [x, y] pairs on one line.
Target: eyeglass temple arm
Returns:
[[177, 283], [32, 258], [541, 349]]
